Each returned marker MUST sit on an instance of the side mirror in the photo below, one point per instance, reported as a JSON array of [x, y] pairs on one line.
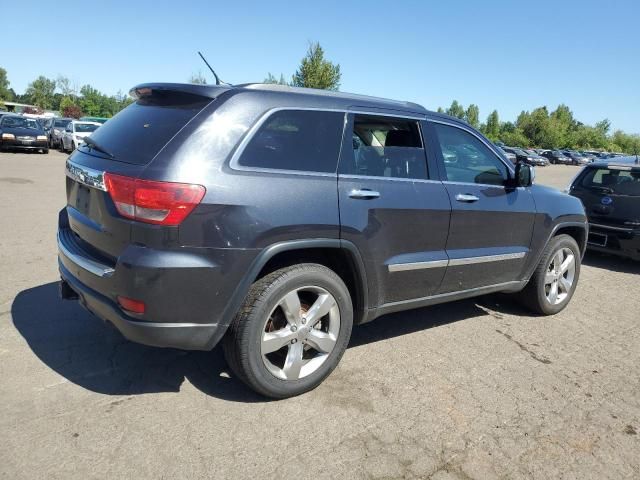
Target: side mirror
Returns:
[[525, 175]]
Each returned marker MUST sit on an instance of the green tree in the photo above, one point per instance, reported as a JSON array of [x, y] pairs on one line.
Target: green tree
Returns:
[[472, 115], [492, 127], [91, 101], [271, 79], [456, 110], [198, 78], [316, 72], [40, 92], [440, 110], [5, 92]]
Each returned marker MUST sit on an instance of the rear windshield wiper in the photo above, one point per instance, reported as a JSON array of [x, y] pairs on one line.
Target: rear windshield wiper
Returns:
[[91, 143]]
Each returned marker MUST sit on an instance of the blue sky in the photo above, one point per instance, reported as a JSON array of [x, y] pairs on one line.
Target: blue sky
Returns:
[[507, 55]]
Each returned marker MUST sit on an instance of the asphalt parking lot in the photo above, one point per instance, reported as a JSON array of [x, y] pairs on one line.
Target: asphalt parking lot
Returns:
[[476, 389]]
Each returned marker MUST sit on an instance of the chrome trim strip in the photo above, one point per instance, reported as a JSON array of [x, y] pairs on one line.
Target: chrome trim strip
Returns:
[[87, 264], [607, 227], [404, 267], [454, 262], [85, 175]]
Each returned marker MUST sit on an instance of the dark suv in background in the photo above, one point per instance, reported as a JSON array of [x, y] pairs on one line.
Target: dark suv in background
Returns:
[[273, 219], [610, 192]]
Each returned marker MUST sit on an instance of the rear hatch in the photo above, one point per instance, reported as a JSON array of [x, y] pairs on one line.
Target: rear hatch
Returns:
[[611, 195], [125, 145]]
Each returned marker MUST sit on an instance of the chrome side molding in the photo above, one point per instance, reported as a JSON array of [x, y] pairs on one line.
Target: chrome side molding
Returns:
[[452, 262], [85, 175]]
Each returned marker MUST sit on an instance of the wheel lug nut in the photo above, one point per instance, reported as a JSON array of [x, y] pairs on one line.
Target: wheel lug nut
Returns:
[[295, 340], [304, 320], [294, 328]]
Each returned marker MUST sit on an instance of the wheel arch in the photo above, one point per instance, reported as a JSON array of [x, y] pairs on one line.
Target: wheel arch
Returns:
[[339, 255]]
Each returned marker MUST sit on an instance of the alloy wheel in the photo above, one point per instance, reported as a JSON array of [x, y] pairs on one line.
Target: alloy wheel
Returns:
[[560, 275], [300, 333]]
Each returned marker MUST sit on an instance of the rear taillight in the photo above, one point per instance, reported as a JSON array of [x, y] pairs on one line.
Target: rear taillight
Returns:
[[162, 203]]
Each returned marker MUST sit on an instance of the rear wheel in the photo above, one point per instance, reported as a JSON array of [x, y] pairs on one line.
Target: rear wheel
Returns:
[[555, 279], [291, 332]]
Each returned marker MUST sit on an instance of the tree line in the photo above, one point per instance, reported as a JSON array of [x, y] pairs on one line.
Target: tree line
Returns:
[[541, 128], [61, 95]]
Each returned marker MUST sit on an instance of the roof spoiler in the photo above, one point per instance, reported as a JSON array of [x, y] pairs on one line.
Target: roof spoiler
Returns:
[[207, 91]]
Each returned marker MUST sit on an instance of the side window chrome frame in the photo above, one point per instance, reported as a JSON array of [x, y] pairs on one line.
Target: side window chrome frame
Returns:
[[510, 168], [235, 157]]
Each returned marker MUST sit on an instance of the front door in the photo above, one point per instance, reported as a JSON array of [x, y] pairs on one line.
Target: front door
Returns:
[[491, 223], [390, 208]]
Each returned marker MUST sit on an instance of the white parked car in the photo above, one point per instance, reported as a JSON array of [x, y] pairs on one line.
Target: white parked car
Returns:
[[75, 132]]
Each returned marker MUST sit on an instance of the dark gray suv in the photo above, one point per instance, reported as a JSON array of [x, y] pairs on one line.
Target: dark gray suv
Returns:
[[272, 219]]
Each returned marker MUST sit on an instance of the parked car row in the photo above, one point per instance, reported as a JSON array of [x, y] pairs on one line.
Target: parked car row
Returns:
[[543, 157], [22, 132]]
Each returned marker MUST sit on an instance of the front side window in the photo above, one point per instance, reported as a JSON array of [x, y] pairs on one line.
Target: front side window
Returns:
[[303, 140], [385, 147], [467, 159]]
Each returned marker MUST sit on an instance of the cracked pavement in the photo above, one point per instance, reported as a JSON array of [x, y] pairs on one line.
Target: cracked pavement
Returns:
[[478, 389]]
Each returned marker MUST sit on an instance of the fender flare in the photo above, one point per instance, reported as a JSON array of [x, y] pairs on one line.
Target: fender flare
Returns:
[[583, 248], [272, 250]]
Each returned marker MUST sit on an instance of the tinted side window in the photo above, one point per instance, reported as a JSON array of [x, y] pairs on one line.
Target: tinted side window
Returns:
[[304, 140], [386, 147], [467, 159]]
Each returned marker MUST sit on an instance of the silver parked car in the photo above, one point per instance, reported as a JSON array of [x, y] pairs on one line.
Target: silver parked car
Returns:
[[56, 131]]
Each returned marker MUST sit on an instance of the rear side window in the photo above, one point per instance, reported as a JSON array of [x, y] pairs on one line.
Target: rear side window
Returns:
[[302, 140], [137, 133], [385, 147], [612, 181]]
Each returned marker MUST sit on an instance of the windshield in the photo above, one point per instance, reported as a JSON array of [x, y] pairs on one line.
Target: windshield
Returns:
[[613, 181], [85, 127], [61, 123], [519, 152], [19, 122]]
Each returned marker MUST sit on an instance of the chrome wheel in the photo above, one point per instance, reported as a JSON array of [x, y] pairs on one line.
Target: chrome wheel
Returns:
[[300, 333], [560, 275]]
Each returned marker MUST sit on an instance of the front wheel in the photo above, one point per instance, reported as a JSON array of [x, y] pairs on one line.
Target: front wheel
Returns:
[[291, 331], [555, 279]]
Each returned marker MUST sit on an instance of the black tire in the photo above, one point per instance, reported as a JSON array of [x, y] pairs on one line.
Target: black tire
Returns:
[[534, 295], [45, 151], [242, 342]]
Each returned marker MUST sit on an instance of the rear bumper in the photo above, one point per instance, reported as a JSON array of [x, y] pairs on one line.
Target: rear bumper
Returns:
[[614, 240], [186, 292], [173, 335]]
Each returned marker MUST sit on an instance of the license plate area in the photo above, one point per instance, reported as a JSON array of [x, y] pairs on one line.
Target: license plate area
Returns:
[[598, 239], [83, 199]]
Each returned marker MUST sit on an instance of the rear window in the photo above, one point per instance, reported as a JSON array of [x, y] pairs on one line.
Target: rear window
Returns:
[[612, 181], [303, 140], [137, 133], [85, 127]]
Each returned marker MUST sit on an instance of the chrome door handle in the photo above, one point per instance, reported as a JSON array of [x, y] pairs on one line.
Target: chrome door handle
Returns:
[[467, 198], [364, 194]]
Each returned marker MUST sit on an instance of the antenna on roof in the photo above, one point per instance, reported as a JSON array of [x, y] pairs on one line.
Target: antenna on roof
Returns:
[[218, 81]]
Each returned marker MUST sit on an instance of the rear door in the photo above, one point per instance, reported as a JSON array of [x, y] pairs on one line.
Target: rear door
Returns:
[[391, 208], [491, 224]]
